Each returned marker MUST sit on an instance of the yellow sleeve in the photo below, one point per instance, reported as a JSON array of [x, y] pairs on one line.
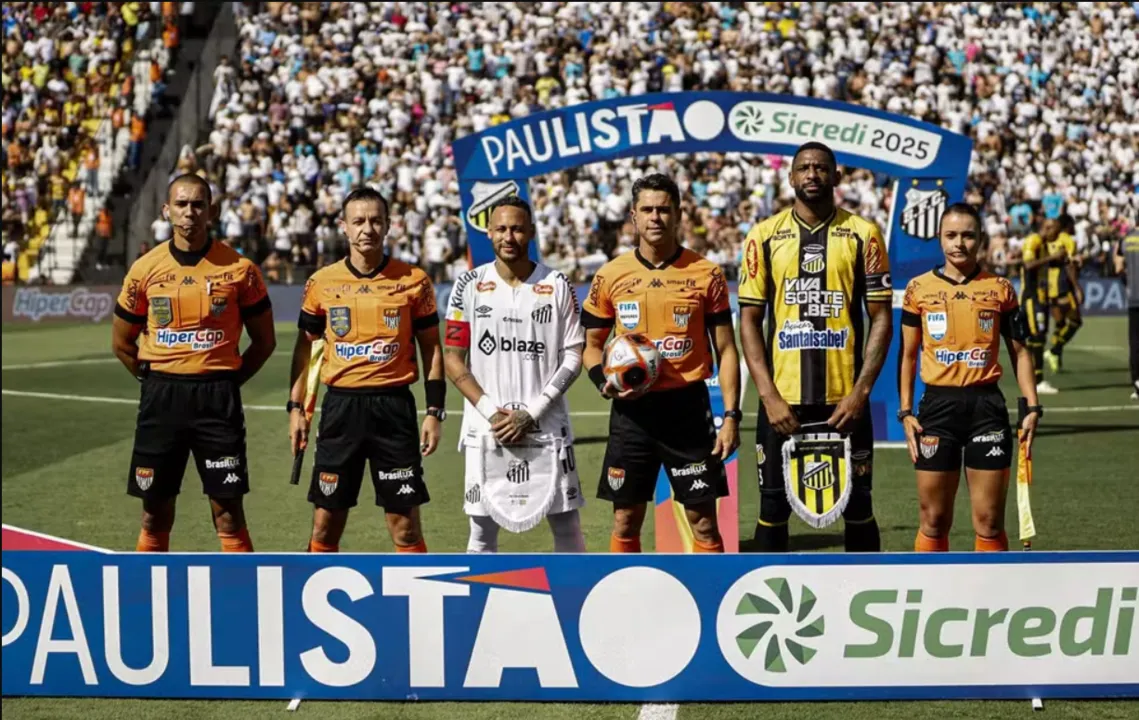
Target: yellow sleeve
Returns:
[[876, 262], [754, 273], [1031, 249]]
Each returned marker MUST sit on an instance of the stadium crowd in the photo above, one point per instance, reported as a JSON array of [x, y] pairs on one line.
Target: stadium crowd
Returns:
[[320, 97], [68, 67]]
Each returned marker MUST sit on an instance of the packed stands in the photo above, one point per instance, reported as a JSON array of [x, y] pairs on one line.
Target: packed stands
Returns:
[[77, 79]]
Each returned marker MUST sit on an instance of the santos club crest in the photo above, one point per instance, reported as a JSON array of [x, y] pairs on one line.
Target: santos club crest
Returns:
[[922, 212]]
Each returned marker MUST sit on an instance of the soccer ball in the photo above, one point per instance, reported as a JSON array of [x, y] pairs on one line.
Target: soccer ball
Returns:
[[632, 362]]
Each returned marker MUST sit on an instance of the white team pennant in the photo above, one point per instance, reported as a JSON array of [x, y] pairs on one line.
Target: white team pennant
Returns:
[[519, 482]]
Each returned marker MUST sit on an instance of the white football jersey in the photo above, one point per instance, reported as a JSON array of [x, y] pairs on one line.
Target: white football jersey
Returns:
[[516, 339]]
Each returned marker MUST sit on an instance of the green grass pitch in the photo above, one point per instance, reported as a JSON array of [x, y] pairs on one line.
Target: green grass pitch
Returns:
[[65, 462]]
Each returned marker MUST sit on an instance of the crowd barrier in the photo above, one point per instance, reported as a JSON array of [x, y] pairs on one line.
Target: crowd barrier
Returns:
[[598, 628], [53, 304]]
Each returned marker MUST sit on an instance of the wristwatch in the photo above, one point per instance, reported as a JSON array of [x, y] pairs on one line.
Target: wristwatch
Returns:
[[439, 413], [736, 415], [903, 414], [293, 405], [1038, 409]]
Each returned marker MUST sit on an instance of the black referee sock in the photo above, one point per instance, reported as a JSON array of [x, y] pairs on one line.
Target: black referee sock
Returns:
[[863, 536]]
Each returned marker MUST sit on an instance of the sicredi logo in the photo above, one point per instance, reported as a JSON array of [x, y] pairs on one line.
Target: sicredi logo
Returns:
[[921, 625]]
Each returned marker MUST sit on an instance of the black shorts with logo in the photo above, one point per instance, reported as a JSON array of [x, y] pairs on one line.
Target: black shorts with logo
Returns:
[[378, 425], [769, 447], [969, 421], [178, 414], [673, 427]]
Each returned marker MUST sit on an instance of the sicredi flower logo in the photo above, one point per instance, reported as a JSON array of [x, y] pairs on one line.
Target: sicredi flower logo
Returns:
[[768, 626]]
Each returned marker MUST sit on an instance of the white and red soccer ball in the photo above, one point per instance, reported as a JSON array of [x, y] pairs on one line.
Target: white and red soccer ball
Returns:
[[631, 362]]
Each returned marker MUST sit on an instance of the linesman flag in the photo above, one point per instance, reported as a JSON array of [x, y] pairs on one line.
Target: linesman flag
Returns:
[[1024, 480], [312, 386]]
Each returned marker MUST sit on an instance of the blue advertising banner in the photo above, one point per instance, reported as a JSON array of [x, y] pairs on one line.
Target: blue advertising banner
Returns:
[[605, 627], [930, 164]]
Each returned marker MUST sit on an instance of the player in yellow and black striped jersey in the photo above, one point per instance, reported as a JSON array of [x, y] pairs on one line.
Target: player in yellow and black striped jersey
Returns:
[[1065, 296], [1039, 257], [811, 269]]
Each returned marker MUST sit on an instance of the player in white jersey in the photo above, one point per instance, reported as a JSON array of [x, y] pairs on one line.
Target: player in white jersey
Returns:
[[520, 324]]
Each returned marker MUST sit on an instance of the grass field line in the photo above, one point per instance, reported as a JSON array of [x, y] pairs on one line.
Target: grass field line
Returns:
[[654, 711], [574, 413]]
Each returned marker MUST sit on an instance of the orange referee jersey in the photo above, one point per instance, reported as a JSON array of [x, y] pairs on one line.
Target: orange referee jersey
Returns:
[[962, 324], [193, 306], [368, 321], [673, 305]]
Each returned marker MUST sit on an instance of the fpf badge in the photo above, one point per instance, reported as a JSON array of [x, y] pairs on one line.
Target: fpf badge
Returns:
[[340, 320], [817, 469]]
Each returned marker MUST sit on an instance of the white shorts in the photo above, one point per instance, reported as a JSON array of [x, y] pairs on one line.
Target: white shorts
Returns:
[[567, 494]]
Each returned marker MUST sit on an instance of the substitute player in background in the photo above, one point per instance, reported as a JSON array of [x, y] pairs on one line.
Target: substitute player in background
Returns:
[[1127, 265], [1065, 295], [957, 315], [520, 322], [372, 309], [811, 268], [680, 301], [189, 299], [1039, 256]]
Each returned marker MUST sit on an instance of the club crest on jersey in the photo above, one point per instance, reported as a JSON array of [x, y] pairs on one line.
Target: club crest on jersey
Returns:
[[144, 477], [928, 446], [340, 320], [629, 313], [922, 212], [936, 324], [218, 306], [542, 314], [985, 321], [162, 311], [814, 259], [616, 478], [328, 483], [681, 314], [391, 318]]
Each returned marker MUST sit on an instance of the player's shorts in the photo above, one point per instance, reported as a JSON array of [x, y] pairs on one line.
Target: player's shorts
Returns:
[[377, 425], [769, 447], [178, 414], [1036, 314], [670, 427], [970, 421], [1067, 301], [567, 492]]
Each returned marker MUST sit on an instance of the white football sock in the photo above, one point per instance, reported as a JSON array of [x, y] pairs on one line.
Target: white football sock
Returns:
[[484, 535], [567, 532]]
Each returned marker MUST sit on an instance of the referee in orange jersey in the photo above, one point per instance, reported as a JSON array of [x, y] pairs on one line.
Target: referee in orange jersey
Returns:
[[177, 328], [956, 316], [372, 310]]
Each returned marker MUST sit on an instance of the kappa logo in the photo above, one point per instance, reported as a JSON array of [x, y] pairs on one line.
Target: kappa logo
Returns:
[[995, 452], [763, 629], [698, 485], [188, 280], [928, 446], [961, 295], [616, 478], [656, 283], [144, 477], [231, 479], [363, 290], [328, 483], [405, 490], [922, 212]]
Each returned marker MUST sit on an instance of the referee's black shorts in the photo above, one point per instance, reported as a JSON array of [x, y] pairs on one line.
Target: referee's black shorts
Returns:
[[378, 425], [178, 414], [964, 421], [769, 448], [670, 427]]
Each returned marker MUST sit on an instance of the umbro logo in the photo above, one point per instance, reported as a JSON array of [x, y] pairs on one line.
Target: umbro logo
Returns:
[[230, 479], [656, 283], [483, 311], [405, 490]]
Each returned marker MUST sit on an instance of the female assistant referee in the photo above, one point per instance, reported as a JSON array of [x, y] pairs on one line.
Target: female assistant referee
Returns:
[[956, 315]]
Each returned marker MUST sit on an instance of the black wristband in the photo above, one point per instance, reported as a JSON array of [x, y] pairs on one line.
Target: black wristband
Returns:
[[436, 392], [597, 375]]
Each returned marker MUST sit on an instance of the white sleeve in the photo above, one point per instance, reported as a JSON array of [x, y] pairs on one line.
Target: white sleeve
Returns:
[[569, 309], [573, 340]]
